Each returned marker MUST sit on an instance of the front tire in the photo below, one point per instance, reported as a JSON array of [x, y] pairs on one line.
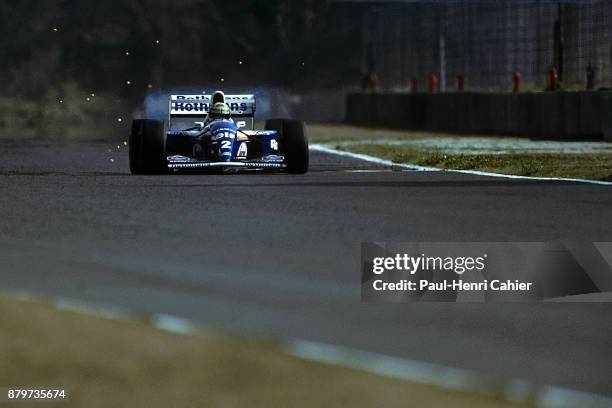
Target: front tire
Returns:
[[147, 145], [293, 143]]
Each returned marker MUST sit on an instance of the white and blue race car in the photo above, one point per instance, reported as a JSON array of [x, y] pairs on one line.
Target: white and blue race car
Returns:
[[216, 144]]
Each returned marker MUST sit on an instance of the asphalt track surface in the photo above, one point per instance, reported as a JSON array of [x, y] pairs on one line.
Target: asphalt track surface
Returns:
[[278, 255]]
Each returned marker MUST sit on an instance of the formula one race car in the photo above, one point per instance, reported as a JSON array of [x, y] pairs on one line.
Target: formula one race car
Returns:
[[222, 139]]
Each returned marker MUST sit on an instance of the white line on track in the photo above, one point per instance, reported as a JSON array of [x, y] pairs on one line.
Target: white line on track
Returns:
[[383, 162], [368, 158], [367, 171], [173, 324], [445, 377]]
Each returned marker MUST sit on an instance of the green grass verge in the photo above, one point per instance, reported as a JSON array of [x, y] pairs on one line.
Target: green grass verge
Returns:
[[593, 167], [130, 364], [583, 166]]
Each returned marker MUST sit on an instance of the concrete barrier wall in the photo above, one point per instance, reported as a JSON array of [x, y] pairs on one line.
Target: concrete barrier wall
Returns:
[[554, 115]]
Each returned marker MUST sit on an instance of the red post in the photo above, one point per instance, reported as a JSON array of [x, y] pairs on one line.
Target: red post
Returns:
[[414, 85], [517, 82], [372, 83], [433, 83], [553, 78], [590, 78], [460, 82]]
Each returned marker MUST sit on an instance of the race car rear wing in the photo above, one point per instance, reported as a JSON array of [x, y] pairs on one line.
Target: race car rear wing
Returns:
[[196, 106]]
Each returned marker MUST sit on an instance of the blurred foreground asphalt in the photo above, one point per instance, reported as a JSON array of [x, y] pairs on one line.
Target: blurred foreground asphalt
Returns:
[[279, 255]]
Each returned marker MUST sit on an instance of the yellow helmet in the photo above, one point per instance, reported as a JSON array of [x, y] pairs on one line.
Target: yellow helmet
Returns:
[[219, 110]]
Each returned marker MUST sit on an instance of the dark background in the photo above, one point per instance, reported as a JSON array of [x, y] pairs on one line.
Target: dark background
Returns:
[[155, 44], [80, 70]]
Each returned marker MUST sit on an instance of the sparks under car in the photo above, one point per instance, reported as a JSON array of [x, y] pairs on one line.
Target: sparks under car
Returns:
[[210, 143]]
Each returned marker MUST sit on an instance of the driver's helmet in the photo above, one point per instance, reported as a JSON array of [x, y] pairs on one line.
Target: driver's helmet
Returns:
[[219, 110]]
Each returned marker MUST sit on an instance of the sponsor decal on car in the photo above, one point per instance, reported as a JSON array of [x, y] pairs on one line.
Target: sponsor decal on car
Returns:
[[265, 132], [193, 97], [203, 107], [177, 158], [223, 133], [273, 158], [200, 104], [242, 151], [237, 106], [265, 165], [191, 107]]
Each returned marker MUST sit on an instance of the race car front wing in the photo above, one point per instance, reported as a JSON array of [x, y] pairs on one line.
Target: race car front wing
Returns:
[[204, 164]]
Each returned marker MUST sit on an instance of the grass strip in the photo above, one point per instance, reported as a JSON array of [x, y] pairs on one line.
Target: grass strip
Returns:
[[582, 166], [131, 364]]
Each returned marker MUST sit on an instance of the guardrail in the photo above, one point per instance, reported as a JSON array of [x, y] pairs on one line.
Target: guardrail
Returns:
[[548, 115]]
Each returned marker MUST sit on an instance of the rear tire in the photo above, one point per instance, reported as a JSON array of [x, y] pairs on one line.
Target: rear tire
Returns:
[[293, 143], [148, 147]]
